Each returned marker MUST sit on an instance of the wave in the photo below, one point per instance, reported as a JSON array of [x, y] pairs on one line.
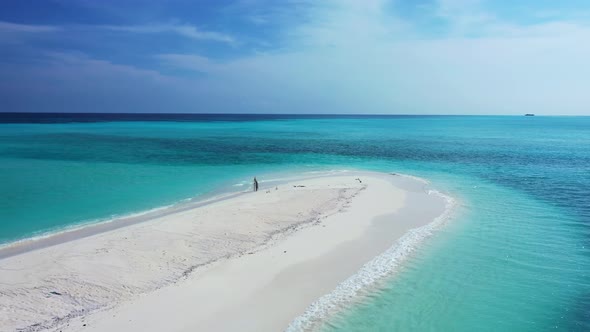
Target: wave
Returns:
[[215, 195], [80, 225], [186, 202], [424, 181], [376, 270]]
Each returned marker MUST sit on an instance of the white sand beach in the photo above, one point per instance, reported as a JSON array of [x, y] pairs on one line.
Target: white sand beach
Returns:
[[253, 262]]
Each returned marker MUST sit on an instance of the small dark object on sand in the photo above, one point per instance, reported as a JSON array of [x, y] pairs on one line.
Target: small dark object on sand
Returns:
[[55, 293], [255, 184], [298, 186], [359, 180], [284, 252]]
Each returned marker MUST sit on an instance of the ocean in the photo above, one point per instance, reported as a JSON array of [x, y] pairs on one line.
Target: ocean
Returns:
[[515, 256]]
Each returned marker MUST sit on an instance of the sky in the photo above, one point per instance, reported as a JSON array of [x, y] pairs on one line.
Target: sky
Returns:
[[296, 56]]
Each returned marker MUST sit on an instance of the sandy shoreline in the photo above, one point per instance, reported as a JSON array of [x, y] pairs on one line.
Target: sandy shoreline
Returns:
[[93, 228], [253, 262], [82, 231]]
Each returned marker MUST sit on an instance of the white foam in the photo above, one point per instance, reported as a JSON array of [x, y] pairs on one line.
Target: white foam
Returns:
[[375, 270], [327, 172], [113, 218], [75, 227], [414, 178]]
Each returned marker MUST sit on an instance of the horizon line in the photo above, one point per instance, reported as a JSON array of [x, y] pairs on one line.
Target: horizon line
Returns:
[[292, 114]]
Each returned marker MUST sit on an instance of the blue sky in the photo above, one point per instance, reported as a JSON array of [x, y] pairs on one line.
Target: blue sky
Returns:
[[296, 56]]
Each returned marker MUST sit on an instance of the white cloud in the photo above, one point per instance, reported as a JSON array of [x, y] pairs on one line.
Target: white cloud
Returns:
[[14, 34], [185, 30], [353, 57], [27, 28], [189, 61], [69, 82], [346, 57]]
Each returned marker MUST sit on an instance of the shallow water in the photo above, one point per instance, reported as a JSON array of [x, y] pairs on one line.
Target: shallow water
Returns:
[[516, 257]]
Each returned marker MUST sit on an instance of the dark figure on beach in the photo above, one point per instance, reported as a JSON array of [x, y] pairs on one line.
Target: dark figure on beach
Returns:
[[255, 184]]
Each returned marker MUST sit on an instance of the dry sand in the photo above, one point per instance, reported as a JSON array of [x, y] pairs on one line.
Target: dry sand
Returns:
[[250, 263]]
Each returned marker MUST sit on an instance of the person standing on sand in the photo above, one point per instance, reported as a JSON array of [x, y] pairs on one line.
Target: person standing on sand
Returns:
[[255, 184]]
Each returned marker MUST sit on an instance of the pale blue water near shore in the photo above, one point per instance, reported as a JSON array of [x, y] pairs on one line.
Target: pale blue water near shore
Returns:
[[516, 257]]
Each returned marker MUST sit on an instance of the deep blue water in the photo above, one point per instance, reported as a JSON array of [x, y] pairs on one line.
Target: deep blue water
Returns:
[[517, 257], [175, 117]]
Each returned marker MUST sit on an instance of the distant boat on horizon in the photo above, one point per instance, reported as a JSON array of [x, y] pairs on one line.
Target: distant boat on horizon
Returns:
[[529, 114]]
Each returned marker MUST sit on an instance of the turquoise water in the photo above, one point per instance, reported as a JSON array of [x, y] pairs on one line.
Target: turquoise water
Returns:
[[516, 257]]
